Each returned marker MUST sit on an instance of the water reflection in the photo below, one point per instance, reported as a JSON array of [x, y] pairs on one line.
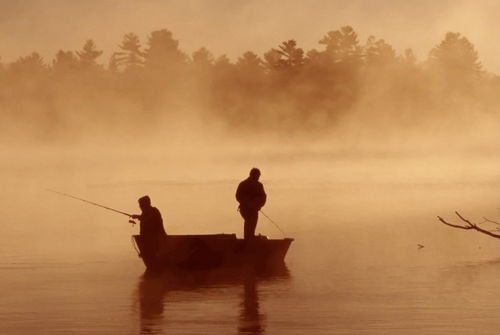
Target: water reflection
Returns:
[[469, 272], [153, 289], [251, 320], [151, 293]]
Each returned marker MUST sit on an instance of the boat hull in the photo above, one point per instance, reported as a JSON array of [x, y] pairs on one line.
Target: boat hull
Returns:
[[218, 250]]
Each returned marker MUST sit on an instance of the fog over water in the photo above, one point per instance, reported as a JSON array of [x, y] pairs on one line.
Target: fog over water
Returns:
[[357, 212]]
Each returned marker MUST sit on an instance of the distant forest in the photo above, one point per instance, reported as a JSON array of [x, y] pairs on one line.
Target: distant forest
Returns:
[[147, 83]]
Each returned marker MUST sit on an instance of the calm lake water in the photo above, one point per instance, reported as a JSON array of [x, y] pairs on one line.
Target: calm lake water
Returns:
[[354, 268]]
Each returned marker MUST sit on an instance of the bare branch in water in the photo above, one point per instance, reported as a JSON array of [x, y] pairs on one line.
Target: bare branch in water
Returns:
[[469, 225], [491, 221]]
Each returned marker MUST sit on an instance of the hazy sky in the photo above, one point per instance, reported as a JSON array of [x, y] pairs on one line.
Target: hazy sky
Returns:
[[234, 26]]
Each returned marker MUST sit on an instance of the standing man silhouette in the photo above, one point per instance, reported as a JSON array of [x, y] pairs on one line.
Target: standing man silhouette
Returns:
[[251, 196]]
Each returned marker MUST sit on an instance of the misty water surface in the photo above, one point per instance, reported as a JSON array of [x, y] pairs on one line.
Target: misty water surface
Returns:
[[355, 267]]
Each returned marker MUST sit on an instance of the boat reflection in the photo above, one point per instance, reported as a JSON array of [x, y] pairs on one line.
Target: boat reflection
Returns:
[[153, 290]]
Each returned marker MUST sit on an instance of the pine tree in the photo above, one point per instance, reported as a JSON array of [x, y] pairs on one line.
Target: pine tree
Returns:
[[131, 57], [202, 58], [342, 46], [29, 65], [113, 63], [88, 55], [249, 60], [163, 51], [379, 53], [455, 58], [65, 62], [286, 57]]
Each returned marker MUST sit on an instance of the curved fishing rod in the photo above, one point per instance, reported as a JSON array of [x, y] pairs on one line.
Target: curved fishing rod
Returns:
[[90, 202], [274, 223]]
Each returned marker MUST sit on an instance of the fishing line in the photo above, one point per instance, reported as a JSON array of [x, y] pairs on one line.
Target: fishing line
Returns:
[[274, 223], [134, 244], [89, 202]]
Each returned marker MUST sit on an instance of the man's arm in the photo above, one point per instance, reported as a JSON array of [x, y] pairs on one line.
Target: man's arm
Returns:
[[239, 194], [262, 196]]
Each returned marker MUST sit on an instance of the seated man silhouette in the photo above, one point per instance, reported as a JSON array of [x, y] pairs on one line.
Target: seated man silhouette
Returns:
[[151, 227], [252, 197]]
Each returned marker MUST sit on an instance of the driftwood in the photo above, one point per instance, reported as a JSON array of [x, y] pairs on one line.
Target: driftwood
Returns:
[[474, 226]]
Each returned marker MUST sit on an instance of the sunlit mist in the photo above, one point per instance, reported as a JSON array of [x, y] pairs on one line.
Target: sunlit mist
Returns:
[[366, 119]]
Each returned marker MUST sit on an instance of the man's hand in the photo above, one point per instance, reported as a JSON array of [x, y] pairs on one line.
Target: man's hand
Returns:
[[135, 216]]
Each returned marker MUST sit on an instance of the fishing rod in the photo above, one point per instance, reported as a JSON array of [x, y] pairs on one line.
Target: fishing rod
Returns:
[[274, 223], [90, 202]]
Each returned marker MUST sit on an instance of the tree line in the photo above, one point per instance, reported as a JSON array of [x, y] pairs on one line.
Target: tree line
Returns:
[[285, 88]]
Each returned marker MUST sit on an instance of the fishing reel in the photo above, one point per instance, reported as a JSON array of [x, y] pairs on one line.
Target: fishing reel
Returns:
[[132, 222]]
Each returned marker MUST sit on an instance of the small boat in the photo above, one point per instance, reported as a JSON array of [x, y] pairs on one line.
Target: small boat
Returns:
[[216, 250]]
